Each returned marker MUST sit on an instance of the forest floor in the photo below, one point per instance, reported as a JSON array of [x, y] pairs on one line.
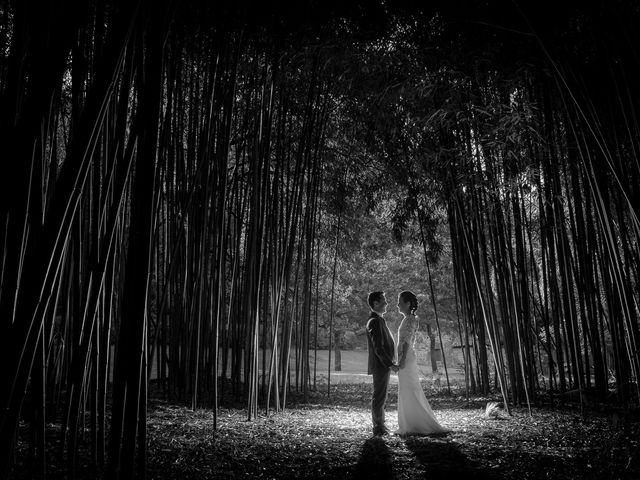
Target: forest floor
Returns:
[[330, 438]]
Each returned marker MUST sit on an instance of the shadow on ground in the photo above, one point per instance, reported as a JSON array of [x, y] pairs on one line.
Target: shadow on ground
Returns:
[[375, 460], [432, 458], [440, 458]]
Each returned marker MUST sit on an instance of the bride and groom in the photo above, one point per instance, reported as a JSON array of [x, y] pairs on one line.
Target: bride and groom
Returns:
[[414, 412]]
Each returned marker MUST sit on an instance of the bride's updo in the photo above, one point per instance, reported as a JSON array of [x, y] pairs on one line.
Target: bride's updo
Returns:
[[411, 298]]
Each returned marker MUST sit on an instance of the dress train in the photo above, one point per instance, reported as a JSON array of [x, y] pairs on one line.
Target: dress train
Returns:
[[414, 412]]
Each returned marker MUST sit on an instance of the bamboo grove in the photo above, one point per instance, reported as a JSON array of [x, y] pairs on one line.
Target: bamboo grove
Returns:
[[545, 241], [164, 207], [546, 233], [534, 167]]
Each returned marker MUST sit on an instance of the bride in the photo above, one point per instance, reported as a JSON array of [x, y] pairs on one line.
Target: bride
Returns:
[[414, 412]]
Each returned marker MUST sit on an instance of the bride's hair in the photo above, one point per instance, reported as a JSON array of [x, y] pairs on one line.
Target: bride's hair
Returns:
[[410, 297]]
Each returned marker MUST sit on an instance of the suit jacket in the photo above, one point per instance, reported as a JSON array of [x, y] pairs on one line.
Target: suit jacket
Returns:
[[380, 343]]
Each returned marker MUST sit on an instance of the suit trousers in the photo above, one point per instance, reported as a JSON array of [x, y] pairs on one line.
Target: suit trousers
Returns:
[[380, 386]]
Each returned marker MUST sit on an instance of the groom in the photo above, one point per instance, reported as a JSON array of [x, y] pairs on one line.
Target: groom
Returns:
[[381, 355]]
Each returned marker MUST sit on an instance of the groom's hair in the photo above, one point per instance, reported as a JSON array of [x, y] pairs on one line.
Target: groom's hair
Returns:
[[375, 297]]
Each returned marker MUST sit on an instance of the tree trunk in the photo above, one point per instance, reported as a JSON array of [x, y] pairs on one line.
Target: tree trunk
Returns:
[[337, 335]]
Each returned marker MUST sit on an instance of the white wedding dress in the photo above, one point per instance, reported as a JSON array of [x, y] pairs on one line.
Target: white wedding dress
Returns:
[[414, 412]]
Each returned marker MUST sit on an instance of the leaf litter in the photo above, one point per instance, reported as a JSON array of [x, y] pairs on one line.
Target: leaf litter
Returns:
[[330, 438]]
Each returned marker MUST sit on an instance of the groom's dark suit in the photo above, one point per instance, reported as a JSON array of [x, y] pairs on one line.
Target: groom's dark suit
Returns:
[[381, 354]]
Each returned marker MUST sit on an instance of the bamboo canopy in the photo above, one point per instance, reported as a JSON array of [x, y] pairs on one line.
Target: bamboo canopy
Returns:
[[173, 173]]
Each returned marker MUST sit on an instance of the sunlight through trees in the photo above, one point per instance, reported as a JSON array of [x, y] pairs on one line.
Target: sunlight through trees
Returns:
[[197, 190]]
